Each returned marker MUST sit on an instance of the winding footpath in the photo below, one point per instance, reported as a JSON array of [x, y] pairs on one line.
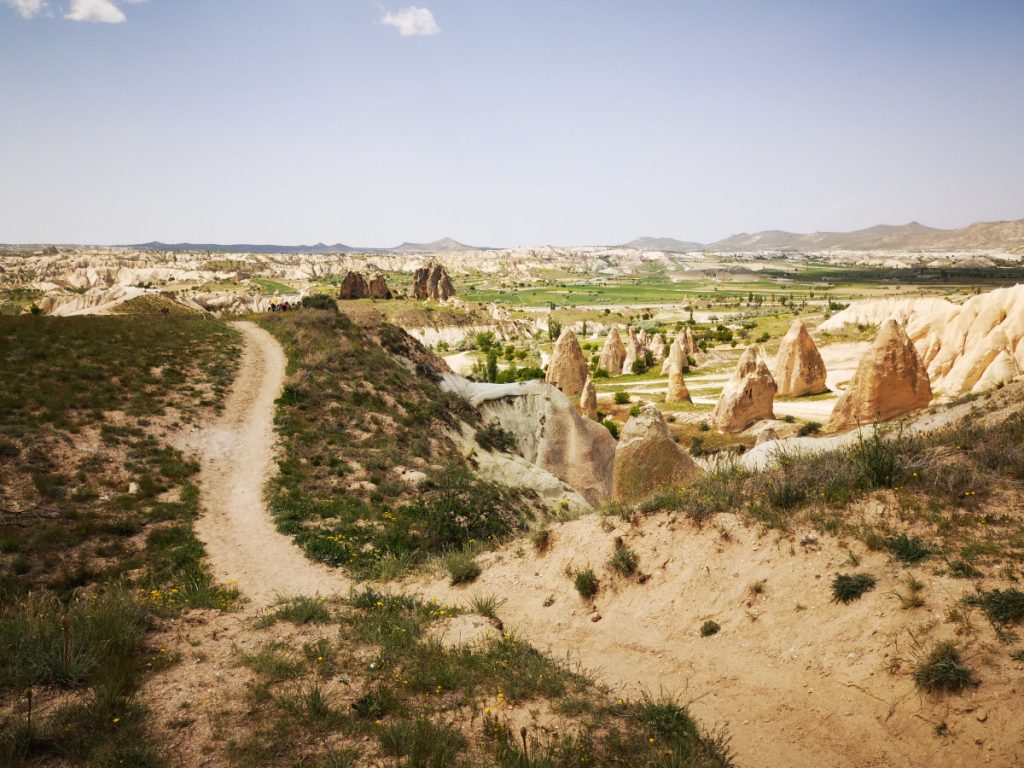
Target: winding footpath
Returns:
[[236, 462]]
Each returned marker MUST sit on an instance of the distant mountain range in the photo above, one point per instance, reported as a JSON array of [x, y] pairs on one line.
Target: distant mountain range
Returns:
[[445, 245], [669, 244], [883, 237]]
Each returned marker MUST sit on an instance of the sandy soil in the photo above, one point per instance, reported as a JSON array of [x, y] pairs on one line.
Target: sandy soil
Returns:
[[796, 679], [237, 458]]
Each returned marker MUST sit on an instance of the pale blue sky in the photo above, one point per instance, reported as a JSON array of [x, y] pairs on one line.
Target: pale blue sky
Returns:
[[518, 122]]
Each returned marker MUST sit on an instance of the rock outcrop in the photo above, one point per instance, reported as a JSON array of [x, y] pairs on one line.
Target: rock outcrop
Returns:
[[568, 368], [676, 392], [676, 355], [613, 354], [690, 343], [647, 459], [890, 380], [1003, 368], [958, 343], [377, 288], [657, 347], [353, 286], [432, 283], [747, 397], [550, 433], [633, 351], [588, 400], [799, 369]]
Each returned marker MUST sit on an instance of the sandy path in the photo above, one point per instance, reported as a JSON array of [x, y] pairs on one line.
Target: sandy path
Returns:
[[237, 457]]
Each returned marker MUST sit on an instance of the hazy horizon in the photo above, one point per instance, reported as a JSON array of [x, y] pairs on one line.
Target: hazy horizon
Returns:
[[251, 121]]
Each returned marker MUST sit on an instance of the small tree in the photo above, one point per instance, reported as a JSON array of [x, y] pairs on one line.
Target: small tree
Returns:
[[554, 329]]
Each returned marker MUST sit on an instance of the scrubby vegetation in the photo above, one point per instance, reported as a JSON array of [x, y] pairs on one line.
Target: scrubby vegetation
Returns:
[[847, 587], [96, 514], [422, 703], [353, 419], [933, 482], [942, 669]]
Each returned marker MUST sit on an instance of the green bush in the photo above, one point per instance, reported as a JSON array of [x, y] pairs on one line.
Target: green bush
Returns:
[[709, 628], [612, 427], [494, 437], [1001, 606], [319, 301], [809, 428], [849, 587], [621, 397], [625, 561], [44, 641], [586, 583], [462, 568], [943, 670], [908, 549]]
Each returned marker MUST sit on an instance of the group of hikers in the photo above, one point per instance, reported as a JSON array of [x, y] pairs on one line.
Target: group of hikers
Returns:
[[282, 306]]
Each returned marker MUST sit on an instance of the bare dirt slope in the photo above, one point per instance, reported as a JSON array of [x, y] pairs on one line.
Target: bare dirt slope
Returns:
[[795, 678], [236, 455]]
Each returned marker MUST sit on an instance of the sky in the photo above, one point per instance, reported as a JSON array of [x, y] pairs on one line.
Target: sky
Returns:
[[511, 122]]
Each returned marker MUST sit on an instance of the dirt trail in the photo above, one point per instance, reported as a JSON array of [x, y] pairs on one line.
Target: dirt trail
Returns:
[[237, 458]]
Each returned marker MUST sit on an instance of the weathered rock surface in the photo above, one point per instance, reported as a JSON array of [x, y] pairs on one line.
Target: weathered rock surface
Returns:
[[588, 400], [377, 288], [799, 369], [676, 392], [613, 354], [958, 343], [633, 351], [432, 283], [353, 286], [657, 347], [568, 368], [647, 459], [550, 433], [1002, 369], [890, 380], [676, 355], [748, 396]]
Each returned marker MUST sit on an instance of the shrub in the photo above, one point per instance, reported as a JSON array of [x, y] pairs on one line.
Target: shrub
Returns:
[[621, 397], [299, 611], [809, 428], [847, 587], [639, 367], [586, 583], [423, 743], [1001, 606], [42, 641], [612, 427], [704, 426], [494, 437], [880, 459], [541, 539], [625, 561], [634, 410], [908, 549], [709, 628], [462, 568], [319, 301], [943, 670]]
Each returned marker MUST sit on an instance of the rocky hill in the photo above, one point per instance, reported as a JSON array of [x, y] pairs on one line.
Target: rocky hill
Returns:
[[884, 237]]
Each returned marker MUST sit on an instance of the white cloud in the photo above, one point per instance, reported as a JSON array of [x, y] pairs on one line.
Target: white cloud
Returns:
[[102, 11], [27, 9], [412, 22]]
